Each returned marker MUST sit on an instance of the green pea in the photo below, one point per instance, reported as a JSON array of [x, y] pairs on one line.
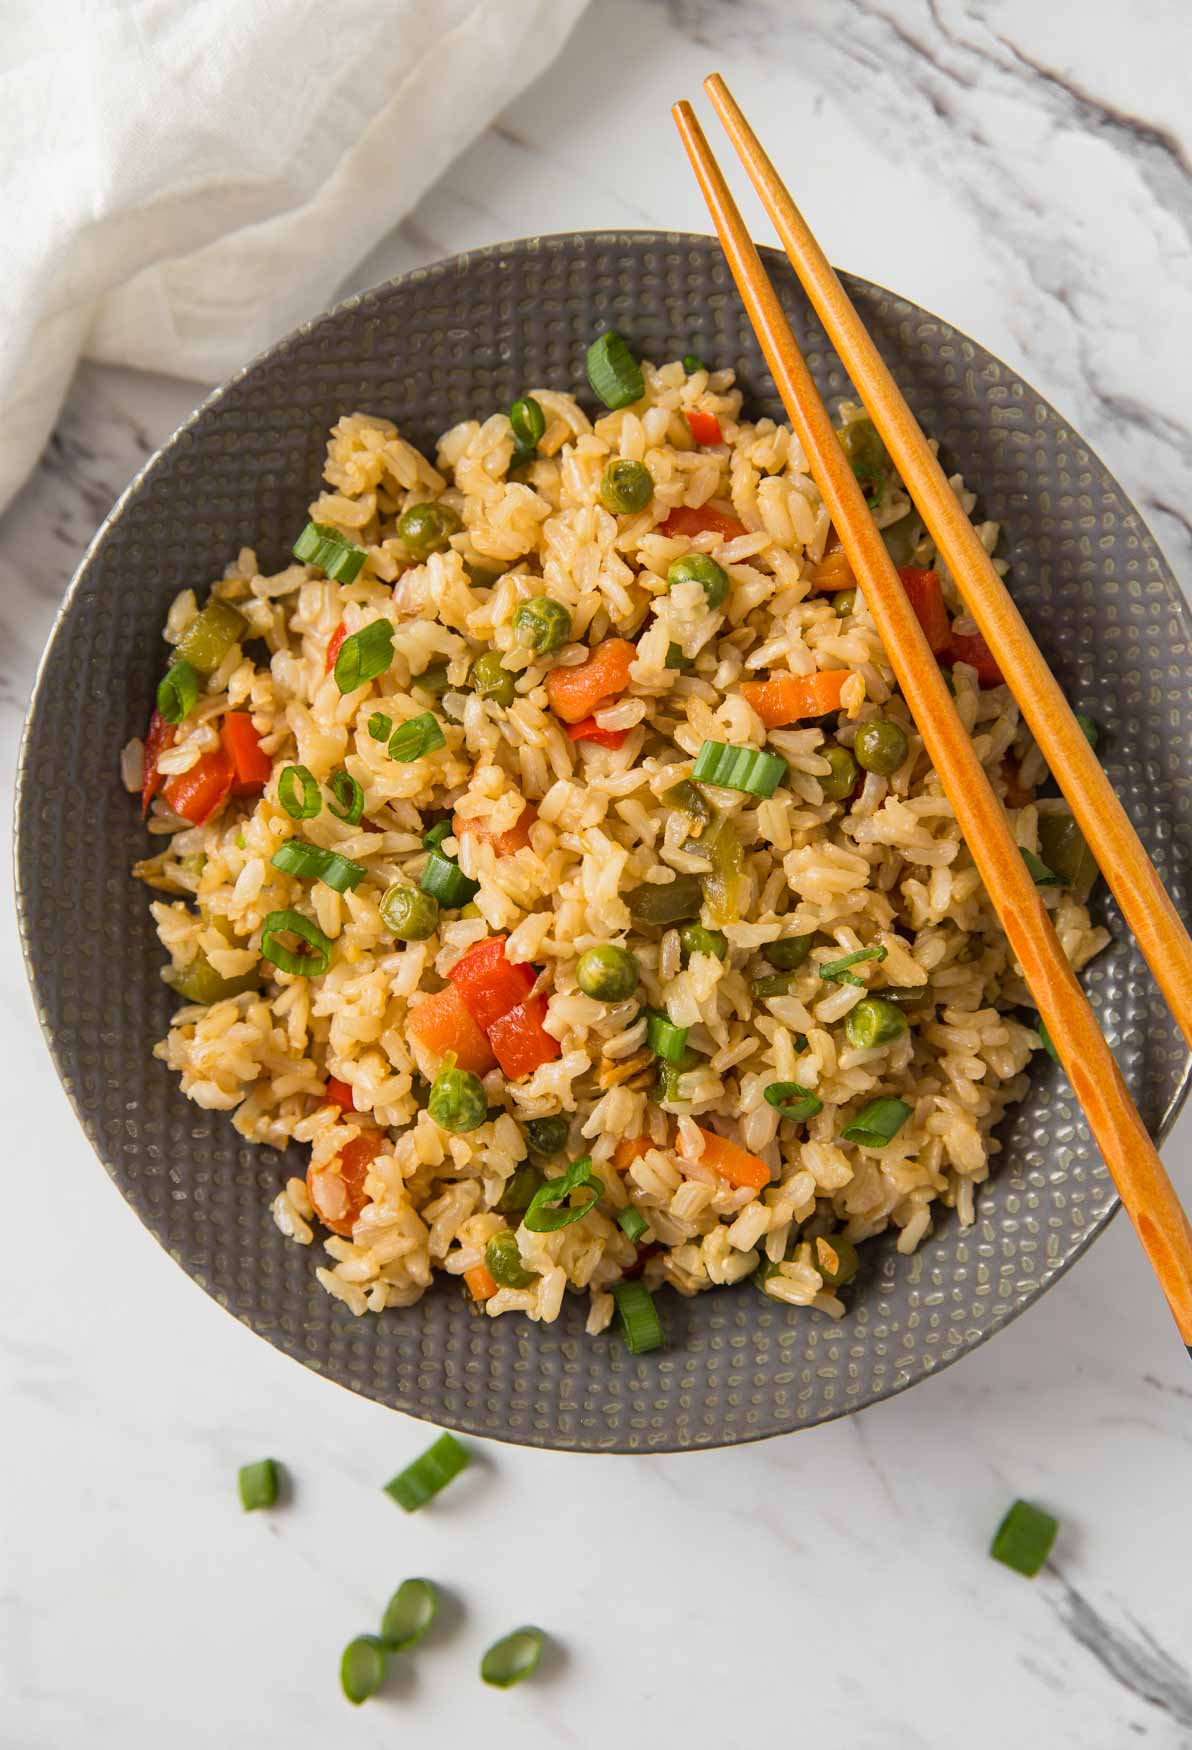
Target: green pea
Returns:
[[491, 679], [844, 603], [548, 1136], [881, 746], [789, 952], [699, 568], [411, 915], [542, 625], [836, 1259], [433, 680], [504, 1263], [626, 487], [457, 1101], [841, 781], [694, 939], [523, 1182], [777, 986], [424, 529], [873, 1021], [609, 973]]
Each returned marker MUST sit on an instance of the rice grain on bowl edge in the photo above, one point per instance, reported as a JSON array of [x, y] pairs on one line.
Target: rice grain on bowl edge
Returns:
[[559, 833]]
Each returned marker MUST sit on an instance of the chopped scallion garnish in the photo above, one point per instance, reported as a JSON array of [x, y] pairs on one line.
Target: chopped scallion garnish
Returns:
[[513, 1658], [446, 881], [364, 655], [298, 793], [420, 735], [1040, 874], [665, 1039], [303, 963], [421, 1481], [320, 545], [380, 727], [434, 837], [313, 863], [1024, 1538], [878, 1124], [550, 1209], [1047, 1042], [749, 769], [349, 795], [177, 692], [640, 1325], [792, 1101], [631, 1222], [837, 971], [613, 372], [258, 1484]]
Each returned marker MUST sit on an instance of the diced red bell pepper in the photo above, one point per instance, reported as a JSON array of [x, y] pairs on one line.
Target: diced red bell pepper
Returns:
[[686, 520], [520, 1041], [514, 838], [334, 645], [705, 427], [340, 1094], [970, 647], [489, 984], [158, 737], [196, 794], [927, 599], [590, 730], [337, 1190], [243, 747]]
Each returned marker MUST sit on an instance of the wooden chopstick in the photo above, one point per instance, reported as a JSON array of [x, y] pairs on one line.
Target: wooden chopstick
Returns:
[[1142, 1182], [1133, 880]]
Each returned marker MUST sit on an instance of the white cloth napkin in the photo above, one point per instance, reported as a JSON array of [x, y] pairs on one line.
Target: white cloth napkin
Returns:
[[184, 180]]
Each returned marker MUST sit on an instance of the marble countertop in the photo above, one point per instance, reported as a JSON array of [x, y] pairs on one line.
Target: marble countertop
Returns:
[[1025, 170]]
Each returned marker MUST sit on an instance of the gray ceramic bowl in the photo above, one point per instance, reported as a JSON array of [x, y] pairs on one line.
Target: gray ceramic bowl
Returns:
[[430, 349]]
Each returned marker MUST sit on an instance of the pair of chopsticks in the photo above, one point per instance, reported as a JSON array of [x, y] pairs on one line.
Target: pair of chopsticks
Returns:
[[1145, 1189]]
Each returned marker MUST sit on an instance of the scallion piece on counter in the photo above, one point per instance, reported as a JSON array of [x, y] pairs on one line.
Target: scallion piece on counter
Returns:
[[364, 655], [749, 769], [420, 735], [380, 727], [1047, 1042], [1040, 874], [433, 838], [791, 1101], [837, 971], [308, 962], [1024, 1538], [631, 1222], [313, 863], [446, 882], [177, 692], [298, 793], [613, 372], [258, 1484], [513, 1658], [362, 1668], [878, 1124], [550, 1209], [421, 1481], [408, 1614], [665, 1039], [349, 797], [640, 1325], [335, 557]]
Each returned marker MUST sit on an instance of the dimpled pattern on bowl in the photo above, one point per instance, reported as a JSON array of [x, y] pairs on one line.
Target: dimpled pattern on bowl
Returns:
[[437, 346]]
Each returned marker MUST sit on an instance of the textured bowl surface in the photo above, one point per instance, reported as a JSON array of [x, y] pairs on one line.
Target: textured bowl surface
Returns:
[[439, 345]]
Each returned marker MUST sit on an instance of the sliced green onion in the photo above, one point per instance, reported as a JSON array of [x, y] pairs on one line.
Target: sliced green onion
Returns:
[[349, 795], [878, 1124], [177, 692], [665, 1039], [258, 1484], [1088, 728], [613, 372], [421, 1481], [520, 1187], [661, 903], [434, 837], [791, 1101], [1047, 1042], [364, 655], [550, 1210], [380, 727], [640, 1325], [446, 881], [313, 863], [336, 557], [298, 793], [513, 1658], [408, 1614], [837, 971], [421, 735], [529, 423], [305, 963], [692, 363], [631, 1222], [749, 769], [1024, 1538], [1040, 874], [362, 1668]]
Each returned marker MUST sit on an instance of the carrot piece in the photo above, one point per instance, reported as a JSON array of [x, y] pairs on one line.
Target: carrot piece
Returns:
[[732, 1162], [334, 645], [339, 1094], [575, 693], [927, 599], [196, 794], [833, 572], [686, 520], [786, 698], [490, 984], [521, 1042], [442, 1023], [590, 730], [337, 1189], [482, 1284], [705, 427], [158, 737], [243, 747], [628, 1150], [514, 838], [970, 647]]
